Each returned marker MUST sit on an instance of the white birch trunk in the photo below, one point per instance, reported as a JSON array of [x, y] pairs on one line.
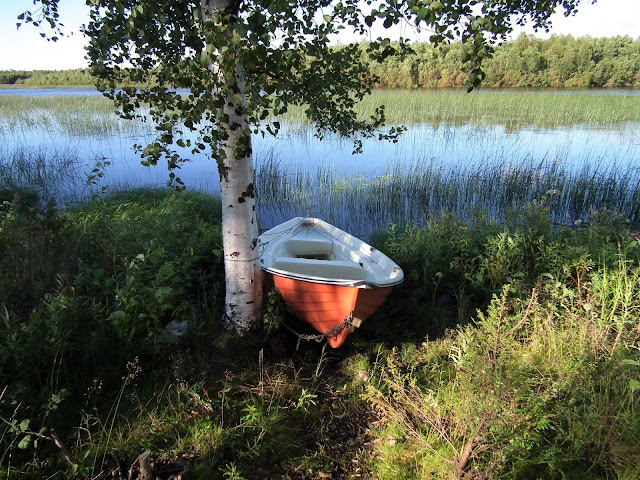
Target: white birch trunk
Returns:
[[243, 294]]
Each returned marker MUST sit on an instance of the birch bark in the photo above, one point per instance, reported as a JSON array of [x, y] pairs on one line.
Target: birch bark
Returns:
[[243, 293]]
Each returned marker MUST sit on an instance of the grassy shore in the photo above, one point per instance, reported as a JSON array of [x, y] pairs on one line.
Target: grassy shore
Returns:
[[449, 107], [513, 109], [536, 108], [510, 351], [68, 114]]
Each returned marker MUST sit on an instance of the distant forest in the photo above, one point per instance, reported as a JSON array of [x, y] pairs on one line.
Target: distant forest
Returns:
[[558, 62]]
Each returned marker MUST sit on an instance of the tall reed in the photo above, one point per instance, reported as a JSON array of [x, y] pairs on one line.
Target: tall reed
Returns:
[[513, 109], [411, 194], [67, 114], [48, 172]]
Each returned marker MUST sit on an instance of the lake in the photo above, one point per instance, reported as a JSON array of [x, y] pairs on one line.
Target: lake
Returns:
[[442, 163]]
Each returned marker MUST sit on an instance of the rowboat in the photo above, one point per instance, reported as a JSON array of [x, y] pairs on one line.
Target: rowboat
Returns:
[[329, 278]]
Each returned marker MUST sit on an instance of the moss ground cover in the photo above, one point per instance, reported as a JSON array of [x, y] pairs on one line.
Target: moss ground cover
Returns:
[[510, 351]]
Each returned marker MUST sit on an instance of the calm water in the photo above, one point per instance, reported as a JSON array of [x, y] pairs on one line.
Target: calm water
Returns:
[[457, 148]]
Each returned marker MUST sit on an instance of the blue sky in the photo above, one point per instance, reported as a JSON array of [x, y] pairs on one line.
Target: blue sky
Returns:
[[24, 49]]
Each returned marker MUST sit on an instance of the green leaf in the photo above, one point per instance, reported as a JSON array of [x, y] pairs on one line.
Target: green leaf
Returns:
[[24, 425], [630, 362], [117, 316], [205, 60], [25, 442]]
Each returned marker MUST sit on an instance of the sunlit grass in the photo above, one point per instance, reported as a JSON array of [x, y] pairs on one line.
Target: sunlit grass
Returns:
[[511, 109], [67, 114]]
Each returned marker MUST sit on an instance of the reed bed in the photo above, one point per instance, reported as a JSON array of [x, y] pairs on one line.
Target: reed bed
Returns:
[[412, 194], [495, 182], [69, 114], [50, 173], [512, 109]]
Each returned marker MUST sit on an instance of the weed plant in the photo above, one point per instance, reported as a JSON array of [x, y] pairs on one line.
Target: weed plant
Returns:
[[536, 384], [510, 351]]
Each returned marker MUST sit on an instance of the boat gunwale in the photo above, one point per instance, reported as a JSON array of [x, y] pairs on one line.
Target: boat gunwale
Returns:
[[340, 282]]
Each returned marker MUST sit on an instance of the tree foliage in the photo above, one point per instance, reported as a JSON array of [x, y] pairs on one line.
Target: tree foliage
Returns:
[[283, 50], [557, 62]]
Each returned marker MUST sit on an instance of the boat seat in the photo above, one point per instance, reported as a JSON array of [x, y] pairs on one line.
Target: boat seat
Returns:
[[309, 247], [337, 269]]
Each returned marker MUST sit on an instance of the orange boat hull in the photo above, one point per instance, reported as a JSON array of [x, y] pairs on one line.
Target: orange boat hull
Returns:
[[324, 307]]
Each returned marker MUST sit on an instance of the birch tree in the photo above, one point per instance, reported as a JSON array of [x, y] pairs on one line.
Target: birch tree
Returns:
[[243, 64]]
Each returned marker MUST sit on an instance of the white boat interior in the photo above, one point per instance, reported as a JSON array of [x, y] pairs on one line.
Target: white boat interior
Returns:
[[312, 250]]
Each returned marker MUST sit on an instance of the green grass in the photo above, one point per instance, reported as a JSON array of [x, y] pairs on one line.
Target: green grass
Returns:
[[436, 108], [511, 109], [510, 351], [69, 114]]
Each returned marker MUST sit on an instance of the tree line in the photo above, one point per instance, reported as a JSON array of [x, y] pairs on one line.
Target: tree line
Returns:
[[75, 77], [557, 62]]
